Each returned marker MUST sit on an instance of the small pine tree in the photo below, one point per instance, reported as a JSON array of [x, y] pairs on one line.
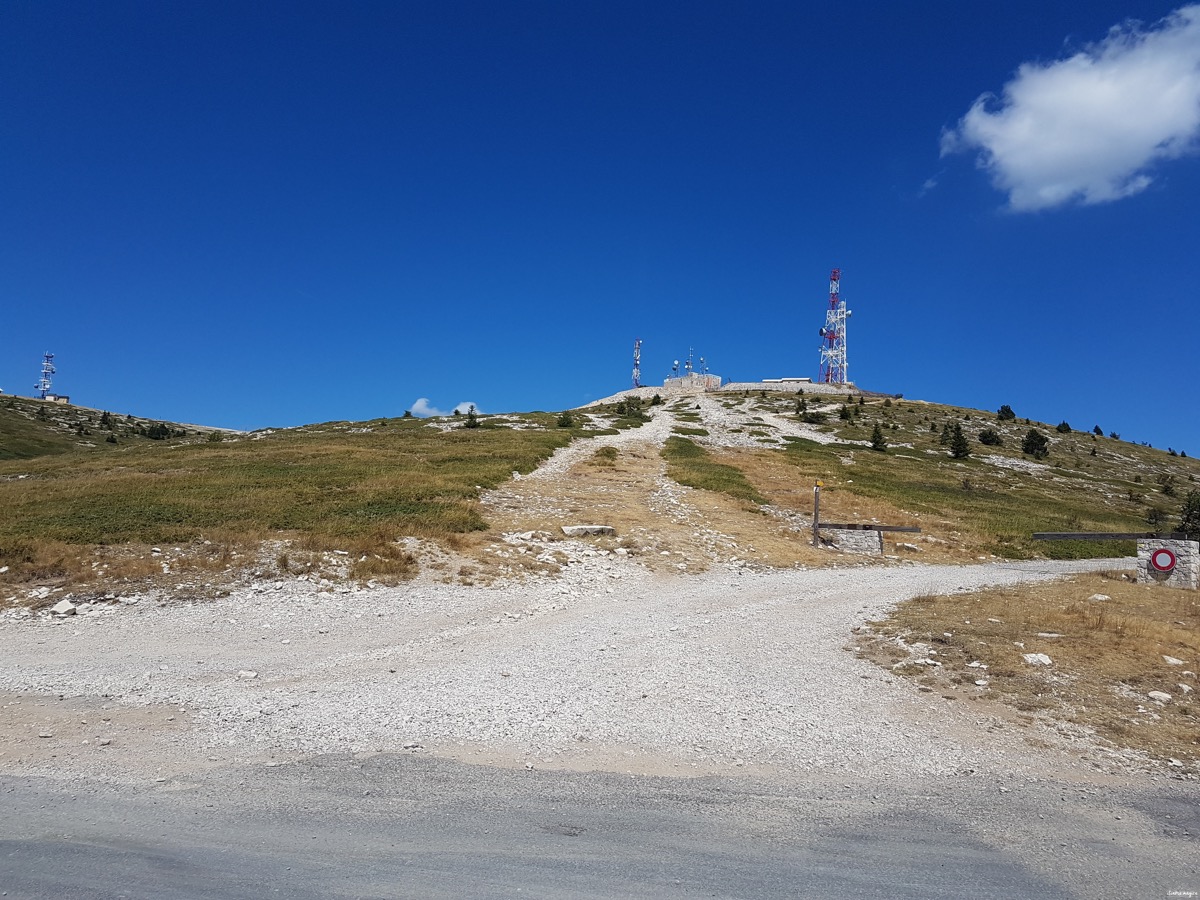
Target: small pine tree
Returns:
[[656, 400], [960, 447], [947, 435], [472, 417], [801, 406], [844, 413], [861, 400], [1189, 516], [1005, 413], [407, 414], [1098, 431], [1063, 427], [565, 420], [878, 441], [1035, 444], [991, 438]]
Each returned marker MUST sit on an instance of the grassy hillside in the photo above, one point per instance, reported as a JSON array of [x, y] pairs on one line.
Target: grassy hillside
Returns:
[[996, 496], [355, 487], [80, 490], [30, 428]]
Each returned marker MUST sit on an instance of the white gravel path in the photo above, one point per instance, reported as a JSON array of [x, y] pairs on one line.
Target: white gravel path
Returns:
[[601, 667]]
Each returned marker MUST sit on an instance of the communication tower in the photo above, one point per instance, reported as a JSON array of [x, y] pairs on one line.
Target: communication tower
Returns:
[[834, 369], [43, 385], [637, 363]]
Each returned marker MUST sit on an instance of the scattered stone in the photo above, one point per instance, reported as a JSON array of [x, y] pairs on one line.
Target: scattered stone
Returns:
[[1159, 696], [1038, 659], [976, 665], [1172, 661], [45, 734], [981, 682], [911, 548], [1099, 598], [104, 742], [1049, 634], [63, 608], [1178, 764], [1185, 688], [583, 530], [247, 673], [412, 745]]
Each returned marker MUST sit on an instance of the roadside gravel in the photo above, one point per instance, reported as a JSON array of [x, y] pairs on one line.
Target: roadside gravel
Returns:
[[600, 667]]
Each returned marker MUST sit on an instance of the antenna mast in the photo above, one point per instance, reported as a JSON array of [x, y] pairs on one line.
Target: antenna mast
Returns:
[[637, 363], [43, 385], [834, 369]]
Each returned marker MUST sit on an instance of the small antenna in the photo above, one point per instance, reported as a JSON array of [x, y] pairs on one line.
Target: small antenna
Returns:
[[637, 363]]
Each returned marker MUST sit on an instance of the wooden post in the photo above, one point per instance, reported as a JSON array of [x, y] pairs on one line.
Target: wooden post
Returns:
[[816, 513]]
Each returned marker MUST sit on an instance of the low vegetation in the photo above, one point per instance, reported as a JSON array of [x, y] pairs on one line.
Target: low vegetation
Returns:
[[692, 465], [1110, 643], [355, 488]]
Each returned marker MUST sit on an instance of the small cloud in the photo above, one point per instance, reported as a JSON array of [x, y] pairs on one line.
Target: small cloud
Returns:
[[1087, 128], [423, 409], [928, 185]]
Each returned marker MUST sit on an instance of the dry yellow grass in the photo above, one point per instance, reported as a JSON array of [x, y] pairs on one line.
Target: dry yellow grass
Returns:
[[1107, 656], [622, 489]]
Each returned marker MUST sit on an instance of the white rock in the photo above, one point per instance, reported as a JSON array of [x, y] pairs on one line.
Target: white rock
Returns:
[[3, 569], [1185, 688], [63, 608], [582, 530], [247, 673], [981, 682], [1038, 659], [1099, 598], [1172, 661], [1159, 696]]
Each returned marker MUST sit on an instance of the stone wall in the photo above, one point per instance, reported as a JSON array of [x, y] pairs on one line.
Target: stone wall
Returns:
[[853, 540], [1187, 563]]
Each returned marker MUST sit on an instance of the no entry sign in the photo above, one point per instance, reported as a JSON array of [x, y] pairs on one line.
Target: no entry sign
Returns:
[[1163, 559]]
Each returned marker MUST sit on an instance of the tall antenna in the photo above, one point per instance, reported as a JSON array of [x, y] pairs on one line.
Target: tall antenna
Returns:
[[687, 366], [834, 369], [43, 385], [637, 363]]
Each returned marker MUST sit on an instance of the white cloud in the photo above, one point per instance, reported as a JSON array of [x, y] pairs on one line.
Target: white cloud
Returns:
[[1088, 128], [422, 408]]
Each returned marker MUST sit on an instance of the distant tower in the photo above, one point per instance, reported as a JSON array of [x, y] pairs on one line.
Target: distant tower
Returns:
[[43, 385], [637, 363], [834, 369]]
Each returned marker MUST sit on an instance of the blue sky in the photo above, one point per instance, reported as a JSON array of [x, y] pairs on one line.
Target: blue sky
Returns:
[[277, 213]]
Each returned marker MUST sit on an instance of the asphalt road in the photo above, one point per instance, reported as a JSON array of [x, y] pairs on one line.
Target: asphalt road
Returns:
[[411, 826]]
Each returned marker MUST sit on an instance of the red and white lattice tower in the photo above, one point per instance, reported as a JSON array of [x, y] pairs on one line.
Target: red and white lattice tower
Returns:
[[834, 369]]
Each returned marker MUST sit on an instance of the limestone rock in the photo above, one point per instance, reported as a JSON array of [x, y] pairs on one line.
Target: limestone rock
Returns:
[[1099, 598], [1159, 696], [583, 530], [63, 608], [1038, 659]]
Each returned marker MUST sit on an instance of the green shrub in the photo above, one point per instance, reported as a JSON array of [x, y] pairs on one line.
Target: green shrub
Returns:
[[1035, 444], [991, 438], [565, 420], [1005, 413], [1063, 427]]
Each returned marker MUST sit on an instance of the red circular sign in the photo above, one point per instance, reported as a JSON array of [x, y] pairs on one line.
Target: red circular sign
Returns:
[[1162, 559]]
